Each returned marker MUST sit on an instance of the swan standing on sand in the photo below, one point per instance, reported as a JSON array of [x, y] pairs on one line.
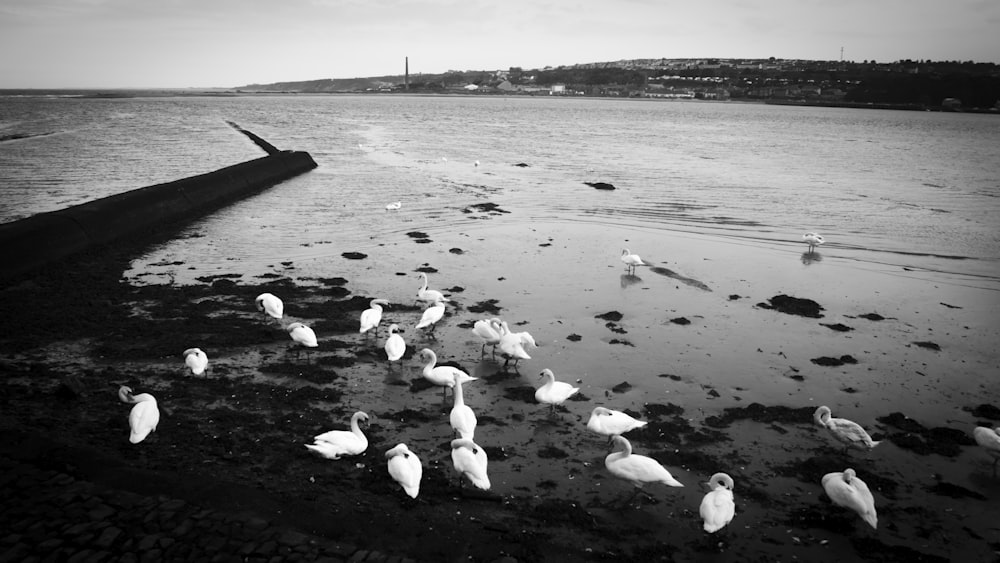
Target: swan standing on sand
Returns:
[[429, 295], [405, 468], [608, 422], [270, 305], [553, 392], [511, 345], [462, 419], [336, 443], [431, 316], [302, 335], [636, 469], [717, 507], [394, 206], [143, 417], [813, 240], [847, 490], [470, 461], [196, 360], [989, 438], [489, 331], [849, 433], [394, 345], [442, 376], [371, 317], [631, 260]]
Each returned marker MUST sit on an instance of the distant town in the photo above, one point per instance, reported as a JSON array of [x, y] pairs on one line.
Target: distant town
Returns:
[[906, 84]]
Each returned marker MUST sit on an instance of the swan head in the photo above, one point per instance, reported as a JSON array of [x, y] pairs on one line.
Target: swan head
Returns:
[[194, 351], [547, 373], [399, 449], [393, 328], [294, 326], [465, 443], [125, 394], [376, 302], [720, 480], [821, 415], [620, 443], [428, 354], [360, 416], [849, 475]]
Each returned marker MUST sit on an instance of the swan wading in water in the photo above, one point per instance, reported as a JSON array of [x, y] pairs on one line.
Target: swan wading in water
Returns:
[[488, 330], [813, 240], [511, 346], [470, 460], [143, 417], [431, 316], [394, 345], [636, 469], [429, 295], [553, 392], [196, 360], [717, 507], [337, 443], [405, 468], [394, 206], [270, 305], [989, 438], [847, 490], [371, 317], [851, 434], [442, 376], [631, 260], [462, 419], [608, 422]]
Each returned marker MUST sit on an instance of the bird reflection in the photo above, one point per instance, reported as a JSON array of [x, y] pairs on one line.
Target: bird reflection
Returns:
[[810, 257], [630, 279]]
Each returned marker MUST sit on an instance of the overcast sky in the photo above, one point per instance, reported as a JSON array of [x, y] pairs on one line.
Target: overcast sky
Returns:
[[226, 43]]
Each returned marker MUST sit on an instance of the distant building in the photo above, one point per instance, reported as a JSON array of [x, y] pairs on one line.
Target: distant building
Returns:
[[951, 103], [558, 89]]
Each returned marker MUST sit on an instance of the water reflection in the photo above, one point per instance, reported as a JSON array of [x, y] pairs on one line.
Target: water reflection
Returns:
[[630, 279], [810, 257]]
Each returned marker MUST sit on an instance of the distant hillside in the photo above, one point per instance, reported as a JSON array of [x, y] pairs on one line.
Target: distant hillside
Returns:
[[329, 85]]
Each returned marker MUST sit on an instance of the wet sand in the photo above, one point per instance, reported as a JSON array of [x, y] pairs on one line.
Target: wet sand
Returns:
[[697, 344]]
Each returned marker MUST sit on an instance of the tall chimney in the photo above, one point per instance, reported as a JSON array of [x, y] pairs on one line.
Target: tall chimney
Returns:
[[406, 79]]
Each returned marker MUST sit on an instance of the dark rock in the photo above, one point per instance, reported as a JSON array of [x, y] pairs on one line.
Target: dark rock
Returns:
[[354, 255], [600, 185], [622, 387], [734, 297], [574, 338], [522, 165], [680, 321], [416, 234], [761, 413], [456, 251], [828, 361], [794, 306], [837, 327], [872, 317], [985, 411], [928, 345], [489, 306], [613, 316]]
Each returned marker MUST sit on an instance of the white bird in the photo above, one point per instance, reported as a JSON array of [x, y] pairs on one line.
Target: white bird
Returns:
[[394, 345], [847, 490], [526, 339], [462, 419], [717, 507], [553, 392], [143, 417], [270, 305], [405, 468], [608, 422], [813, 240], [848, 432], [631, 260], [470, 461], [442, 376], [489, 331], [636, 469], [476, 164], [394, 206], [989, 438], [336, 443], [196, 359], [431, 316], [371, 317], [302, 335], [511, 345], [429, 295]]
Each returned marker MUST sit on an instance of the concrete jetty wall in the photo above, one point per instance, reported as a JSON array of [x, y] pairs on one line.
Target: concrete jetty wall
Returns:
[[47, 237]]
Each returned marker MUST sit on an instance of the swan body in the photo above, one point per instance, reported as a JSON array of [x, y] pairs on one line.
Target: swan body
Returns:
[[634, 468], [989, 438], [847, 490], [337, 443], [429, 295], [462, 419], [553, 392], [442, 376], [631, 260], [405, 468], [511, 345], [302, 335], [394, 345], [489, 331], [470, 461], [608, 422], [849, 433], [371, 317], [432, 315], [196, 360], [394, 206], [717, 507], [143, 417], [270, 305], [813, 240]]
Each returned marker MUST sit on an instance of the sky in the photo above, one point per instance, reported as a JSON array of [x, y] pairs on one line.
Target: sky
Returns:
[[229, 43]]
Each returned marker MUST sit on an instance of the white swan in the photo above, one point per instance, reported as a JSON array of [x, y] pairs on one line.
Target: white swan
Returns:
[[196, 360], [432, 315], [847, 490], [848, 432], [470, 461], [717, 507], [489, 331], [631, 260], [636, 469], [511, 345], [553, 392], [270, 305], [302, 335], [394, 206], [989, 438], [442, 376], [143, 417], [429, 295], [813, 240], [608, 422], [462, 419], [336, 443], [371, 317], [405, 468], [394, 345]]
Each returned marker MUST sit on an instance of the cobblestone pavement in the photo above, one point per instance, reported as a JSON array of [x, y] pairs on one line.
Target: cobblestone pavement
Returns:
[[49, 516]]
